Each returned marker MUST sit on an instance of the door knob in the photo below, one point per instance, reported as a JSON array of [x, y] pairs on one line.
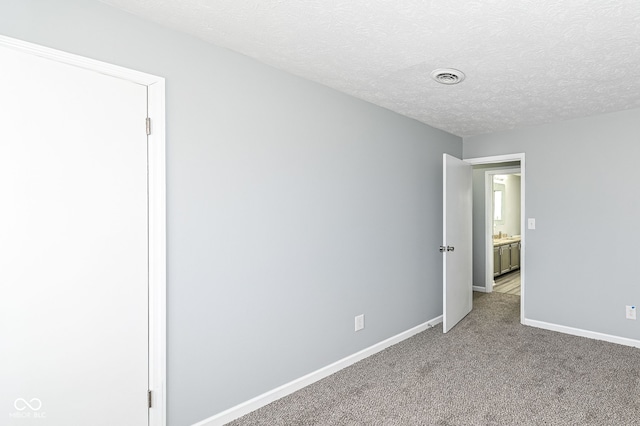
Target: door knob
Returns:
[[450, 248], [446, 248]]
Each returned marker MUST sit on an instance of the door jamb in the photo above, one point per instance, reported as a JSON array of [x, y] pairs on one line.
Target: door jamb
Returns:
[[488, 223], [157, 206], [505, 159]]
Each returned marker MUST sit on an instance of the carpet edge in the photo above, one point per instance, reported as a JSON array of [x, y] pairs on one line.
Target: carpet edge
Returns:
[[301, 382]]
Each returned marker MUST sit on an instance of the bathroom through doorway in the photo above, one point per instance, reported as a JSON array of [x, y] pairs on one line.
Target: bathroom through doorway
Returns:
[[505, 230]]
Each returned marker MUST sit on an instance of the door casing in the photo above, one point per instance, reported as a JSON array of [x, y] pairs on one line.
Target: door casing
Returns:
[[157, 207]]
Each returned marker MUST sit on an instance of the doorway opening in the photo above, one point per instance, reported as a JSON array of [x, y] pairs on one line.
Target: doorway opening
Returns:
[[499, 225]]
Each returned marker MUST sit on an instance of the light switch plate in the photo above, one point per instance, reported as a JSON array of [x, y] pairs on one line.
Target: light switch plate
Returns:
[[531, 223]]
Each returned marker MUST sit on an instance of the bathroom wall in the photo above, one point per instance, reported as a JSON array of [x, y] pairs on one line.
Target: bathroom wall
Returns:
[[511, 197]]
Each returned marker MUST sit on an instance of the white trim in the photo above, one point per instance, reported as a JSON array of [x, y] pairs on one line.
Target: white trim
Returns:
[[523, 229], [583, 333], [480, 289], [488, 232], [80, 61], [495, 159], [444, 241], [297, 384], [157, 207], [157, 254]]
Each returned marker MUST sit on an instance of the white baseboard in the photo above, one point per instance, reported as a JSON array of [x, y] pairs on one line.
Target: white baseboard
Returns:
[[480, 289], [583, 333], [288, 388]]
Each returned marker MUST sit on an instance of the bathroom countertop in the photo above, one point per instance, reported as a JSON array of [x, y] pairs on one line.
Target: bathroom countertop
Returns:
[[506, 240]]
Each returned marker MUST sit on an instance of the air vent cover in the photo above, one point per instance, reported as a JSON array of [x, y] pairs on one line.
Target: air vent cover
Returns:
[[447, 75]]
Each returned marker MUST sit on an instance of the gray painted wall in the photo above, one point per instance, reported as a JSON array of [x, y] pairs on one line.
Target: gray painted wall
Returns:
[[581, 187], [291, 208]]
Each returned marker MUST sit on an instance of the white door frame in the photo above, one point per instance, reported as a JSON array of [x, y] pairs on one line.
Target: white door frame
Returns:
[[488, 224], [157, 207], [489, 250]]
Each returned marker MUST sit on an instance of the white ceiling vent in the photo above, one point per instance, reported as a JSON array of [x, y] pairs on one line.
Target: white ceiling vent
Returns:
[[447, 75]]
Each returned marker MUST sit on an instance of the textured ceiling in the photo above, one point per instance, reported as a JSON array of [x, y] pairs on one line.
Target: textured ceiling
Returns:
[[526, 62]]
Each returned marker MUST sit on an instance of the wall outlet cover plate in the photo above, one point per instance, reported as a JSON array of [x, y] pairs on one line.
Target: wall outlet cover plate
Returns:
[[631, 312]]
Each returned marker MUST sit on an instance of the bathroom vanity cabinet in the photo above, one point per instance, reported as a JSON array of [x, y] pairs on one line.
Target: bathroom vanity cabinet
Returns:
[[506, 255]]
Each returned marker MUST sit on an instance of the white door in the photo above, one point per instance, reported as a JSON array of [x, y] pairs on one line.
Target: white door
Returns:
[[457, 240], [73, 246]]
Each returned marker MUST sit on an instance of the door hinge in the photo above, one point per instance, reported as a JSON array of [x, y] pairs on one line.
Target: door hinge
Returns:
[[149, 398], [148, 125]]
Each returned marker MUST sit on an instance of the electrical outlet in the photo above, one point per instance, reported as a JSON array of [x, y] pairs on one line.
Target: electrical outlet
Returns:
[[359, 322], [631, 312]]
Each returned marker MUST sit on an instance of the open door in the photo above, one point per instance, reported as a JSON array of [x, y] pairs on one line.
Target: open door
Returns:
[[457, 240]]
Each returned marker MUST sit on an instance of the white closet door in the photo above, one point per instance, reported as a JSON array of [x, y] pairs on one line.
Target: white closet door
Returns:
[[73, 246]]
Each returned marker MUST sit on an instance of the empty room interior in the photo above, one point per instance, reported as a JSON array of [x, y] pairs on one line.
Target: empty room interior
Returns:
[[307, 228]]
